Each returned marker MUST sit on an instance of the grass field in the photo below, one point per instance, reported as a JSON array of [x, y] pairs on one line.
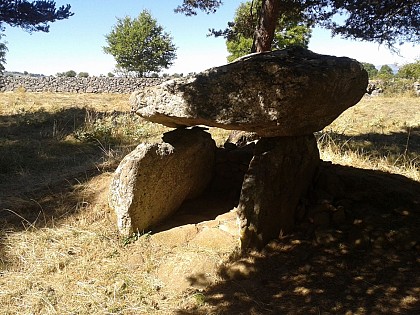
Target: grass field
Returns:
[[60, 252]]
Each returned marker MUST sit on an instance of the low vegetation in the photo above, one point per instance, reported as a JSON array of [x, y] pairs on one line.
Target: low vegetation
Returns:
[[60, 252], [380, 133]]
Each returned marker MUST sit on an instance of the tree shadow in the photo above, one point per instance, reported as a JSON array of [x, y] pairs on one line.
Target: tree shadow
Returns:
[[41, 163], [394, 145], [367, 262]]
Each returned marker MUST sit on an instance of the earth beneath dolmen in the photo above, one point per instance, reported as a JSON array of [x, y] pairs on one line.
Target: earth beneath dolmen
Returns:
[[282, 97]]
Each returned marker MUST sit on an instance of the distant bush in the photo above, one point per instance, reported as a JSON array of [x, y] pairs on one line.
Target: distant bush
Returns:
[[371, 69], [385, 73], [68, 74], [410, 71], [395, 86], [83, 75]]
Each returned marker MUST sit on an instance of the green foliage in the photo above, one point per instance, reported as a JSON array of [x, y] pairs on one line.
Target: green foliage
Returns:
[[110, 75], [110, 128], [239, 47], [3, 50], [200, 299], [371, 69], [387, 22], [70, 74], [32, 15], [385, 72], [135, 236], [190, 7], [67, 74], [83, 75], [140, 45], [410, 71], [397, 86], [291, 30]]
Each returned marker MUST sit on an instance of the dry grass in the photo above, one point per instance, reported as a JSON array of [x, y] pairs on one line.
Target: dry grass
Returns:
[[66, 257], [48, 138], [80, 265], [380, 133]]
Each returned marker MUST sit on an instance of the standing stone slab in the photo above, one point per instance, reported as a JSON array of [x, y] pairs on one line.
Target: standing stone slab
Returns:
[[279, 175], [152, 182], [288, 92]]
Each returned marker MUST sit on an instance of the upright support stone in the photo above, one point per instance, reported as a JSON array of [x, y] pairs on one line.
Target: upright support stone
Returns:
[[279, 175], [154, 180]]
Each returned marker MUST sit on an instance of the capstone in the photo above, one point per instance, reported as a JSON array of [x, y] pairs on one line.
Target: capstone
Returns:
[[288, 92]]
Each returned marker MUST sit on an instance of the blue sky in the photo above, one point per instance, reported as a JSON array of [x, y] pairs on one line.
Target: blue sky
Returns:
[[76, 43]]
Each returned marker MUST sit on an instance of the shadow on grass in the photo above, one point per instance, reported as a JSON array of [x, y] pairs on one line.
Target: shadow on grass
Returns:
[[365, 263], [40, 164], [395, 145]]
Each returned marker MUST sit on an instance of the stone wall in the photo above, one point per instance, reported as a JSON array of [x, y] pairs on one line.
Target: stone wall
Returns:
[[77, 85]]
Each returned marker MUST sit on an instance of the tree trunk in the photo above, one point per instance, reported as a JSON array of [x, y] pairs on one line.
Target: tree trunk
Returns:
[[264, 33]]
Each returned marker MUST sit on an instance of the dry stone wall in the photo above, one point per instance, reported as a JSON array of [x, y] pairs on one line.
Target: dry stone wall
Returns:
[[77, 85]]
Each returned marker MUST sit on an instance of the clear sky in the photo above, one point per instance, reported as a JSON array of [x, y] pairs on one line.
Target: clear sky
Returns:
[[76, 44]]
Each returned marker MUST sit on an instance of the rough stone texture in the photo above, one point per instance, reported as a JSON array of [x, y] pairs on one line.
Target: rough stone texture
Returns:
[[152, 181], [283, 93], [187, 271], [77, 85], [279, 175], [195, 252]]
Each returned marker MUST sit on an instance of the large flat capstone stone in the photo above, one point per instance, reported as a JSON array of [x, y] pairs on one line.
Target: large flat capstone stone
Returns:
[[154, 180], [287, 92]]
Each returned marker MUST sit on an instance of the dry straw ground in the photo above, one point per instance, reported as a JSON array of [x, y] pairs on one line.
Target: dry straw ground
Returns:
[[60, 252]]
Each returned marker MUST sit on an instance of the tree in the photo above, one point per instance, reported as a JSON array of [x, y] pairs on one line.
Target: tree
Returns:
[[3, 50], [371, 69], [140, 45], [67, 74], [83, 75], [189, 7], [388, 22], [31, 16], [410, 71], [70, 74], [290, 30], [385, 72]]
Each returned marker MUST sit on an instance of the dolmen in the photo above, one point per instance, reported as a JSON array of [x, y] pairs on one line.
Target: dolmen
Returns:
[[282, 96]]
